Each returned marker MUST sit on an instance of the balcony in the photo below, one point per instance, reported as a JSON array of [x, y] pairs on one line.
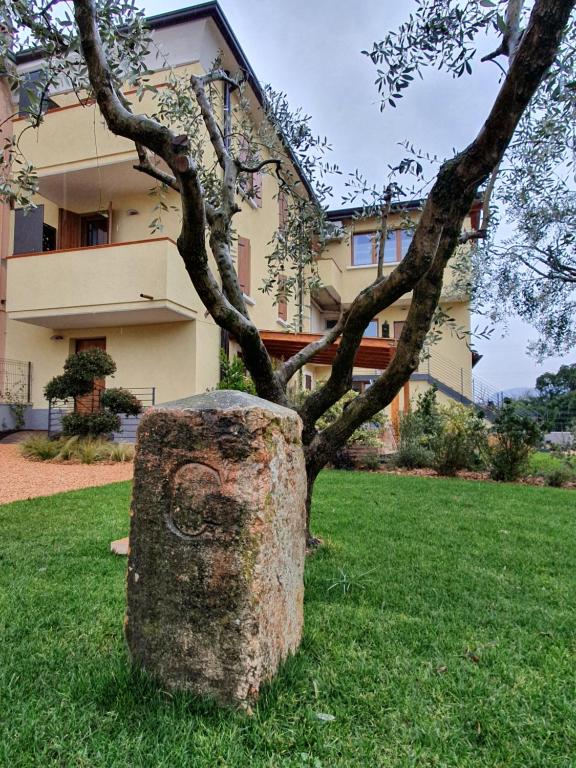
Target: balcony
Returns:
[[136, 283], [328, 296]]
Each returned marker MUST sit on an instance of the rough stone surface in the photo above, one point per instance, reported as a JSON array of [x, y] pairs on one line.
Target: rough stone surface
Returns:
[[217, 544]]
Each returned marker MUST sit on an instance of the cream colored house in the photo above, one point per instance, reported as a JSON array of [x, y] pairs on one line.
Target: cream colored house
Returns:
[[84, 268]]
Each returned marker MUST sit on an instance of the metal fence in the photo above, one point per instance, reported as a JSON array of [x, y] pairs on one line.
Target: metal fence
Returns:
[[15, 378], [129, 424]]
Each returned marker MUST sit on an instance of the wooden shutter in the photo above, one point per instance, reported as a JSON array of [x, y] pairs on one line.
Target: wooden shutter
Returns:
[[282, 299], [28, 230], [282, 210], [257, 189], [398, 326], [244, 264], [69, 229], [110, 222]]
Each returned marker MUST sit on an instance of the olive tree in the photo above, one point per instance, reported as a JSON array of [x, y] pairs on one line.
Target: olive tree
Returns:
[[103, 44], [527, 267]]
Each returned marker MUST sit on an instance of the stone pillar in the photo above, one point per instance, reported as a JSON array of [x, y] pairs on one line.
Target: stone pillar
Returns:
[[217, 544]]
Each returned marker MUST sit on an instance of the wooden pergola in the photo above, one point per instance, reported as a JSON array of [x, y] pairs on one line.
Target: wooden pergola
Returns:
[[373, 353]]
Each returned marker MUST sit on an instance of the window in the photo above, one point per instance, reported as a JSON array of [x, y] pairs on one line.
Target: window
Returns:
[[77, 230], [372, 329], [406, 236], [308, 381], [363, 251], [30, 93], [390, 249], [243, 265], [250, 183], [330, 323], [48, 238], [94, 230], [365, 247]]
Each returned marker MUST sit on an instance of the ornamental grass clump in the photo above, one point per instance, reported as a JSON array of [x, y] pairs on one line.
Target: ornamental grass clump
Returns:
[[76, 450]]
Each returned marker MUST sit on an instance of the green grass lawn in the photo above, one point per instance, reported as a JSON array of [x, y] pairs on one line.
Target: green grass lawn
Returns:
[[440, 631], [542, 462]]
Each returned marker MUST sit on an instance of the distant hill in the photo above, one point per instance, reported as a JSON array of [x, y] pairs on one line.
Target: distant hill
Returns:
[[517, 393]]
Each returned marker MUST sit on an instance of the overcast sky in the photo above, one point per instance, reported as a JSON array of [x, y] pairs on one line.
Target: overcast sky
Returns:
[[311, 49]]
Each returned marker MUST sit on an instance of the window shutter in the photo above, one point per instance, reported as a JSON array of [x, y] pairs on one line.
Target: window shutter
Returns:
[[282, 299], [257, 189], [69, 229], [244, 264], [282, 210], [398, 326], [28, 230]]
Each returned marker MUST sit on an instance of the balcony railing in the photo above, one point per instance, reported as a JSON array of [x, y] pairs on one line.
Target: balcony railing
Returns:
[[134, 283]]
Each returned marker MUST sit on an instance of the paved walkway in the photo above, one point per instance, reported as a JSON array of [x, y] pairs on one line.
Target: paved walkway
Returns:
[[24, 479]]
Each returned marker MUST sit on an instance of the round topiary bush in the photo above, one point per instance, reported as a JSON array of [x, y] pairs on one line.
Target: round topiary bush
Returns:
[[90, 424], [118, 400], [81, 371]]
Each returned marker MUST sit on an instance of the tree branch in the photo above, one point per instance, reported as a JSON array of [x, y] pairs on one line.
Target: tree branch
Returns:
[[258, 167], [404, 363], [220, 76], [452, 194], [301, 358], [145, 166], [210, 122], [385, 213], [191, 242]]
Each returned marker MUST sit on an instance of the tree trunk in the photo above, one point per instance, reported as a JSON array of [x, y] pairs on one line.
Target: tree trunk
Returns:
[[316, 460]]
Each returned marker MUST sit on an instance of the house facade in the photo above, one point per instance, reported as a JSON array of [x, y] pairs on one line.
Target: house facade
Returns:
[[84, 267]]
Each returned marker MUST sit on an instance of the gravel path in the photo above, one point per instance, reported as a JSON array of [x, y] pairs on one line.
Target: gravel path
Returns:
[[24, 479]]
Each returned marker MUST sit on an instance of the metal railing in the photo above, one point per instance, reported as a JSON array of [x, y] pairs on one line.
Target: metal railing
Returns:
[[128, 424], [454, 378], [15, 380], [458, 384]]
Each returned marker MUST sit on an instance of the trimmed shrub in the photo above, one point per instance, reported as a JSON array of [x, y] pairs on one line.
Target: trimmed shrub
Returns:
[[90, 424], [81, 371], [118, 400]]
